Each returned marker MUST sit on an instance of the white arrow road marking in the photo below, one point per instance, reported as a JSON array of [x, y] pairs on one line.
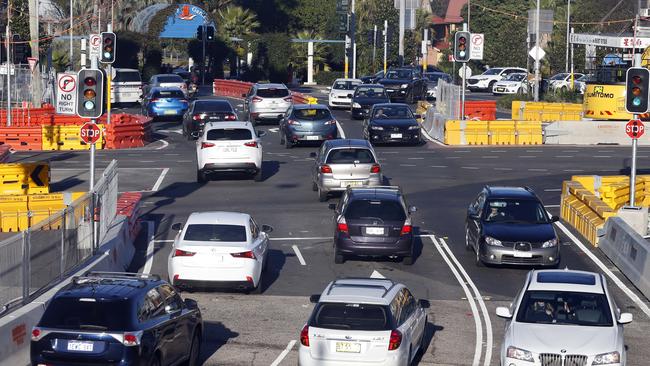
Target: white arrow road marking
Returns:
[[376, 274]]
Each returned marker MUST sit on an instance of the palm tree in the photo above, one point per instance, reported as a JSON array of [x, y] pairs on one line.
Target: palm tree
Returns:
[[237, 21]]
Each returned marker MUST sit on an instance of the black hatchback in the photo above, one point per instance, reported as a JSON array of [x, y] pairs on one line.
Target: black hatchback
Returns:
[[392, 122], [206, 110], [117, 319], [364, 97]]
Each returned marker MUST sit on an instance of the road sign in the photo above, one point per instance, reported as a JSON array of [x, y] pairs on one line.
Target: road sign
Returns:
[[533, 53], [634, 128], [465, 70], [477, 40], [32, 63], [95, 45], [90, 133], [66, 93]]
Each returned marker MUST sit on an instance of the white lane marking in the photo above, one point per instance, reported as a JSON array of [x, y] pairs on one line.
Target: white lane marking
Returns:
[[437, 166], [452, 157], [307, 238], [339, 128], [502, 168], [553, 190], [274, 130], [164, 145], [406, 165], [573, 170], [527, 156], [146, 161], [552, 206], [376, 274], [169, 154], [284, 353], [149, 257], [299, 255], [469, 167], [160, 180], [534, 151], [537, 170], [497, 151], [472, 303], [563, 156], [602, 156], [489, 157], [415, 158], [606, 270]]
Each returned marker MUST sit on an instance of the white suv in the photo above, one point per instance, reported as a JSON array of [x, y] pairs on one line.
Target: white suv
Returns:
[[229, 147], [486, 80], [364, 320], [563, 317]]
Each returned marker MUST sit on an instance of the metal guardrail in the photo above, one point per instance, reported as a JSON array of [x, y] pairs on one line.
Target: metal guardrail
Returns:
[[448, 100]]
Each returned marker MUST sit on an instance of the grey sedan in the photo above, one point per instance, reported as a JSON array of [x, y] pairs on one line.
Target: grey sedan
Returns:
[[307, 123]]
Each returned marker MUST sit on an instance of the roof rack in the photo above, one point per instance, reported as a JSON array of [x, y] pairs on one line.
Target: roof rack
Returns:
[[386, 290], [121, 275]]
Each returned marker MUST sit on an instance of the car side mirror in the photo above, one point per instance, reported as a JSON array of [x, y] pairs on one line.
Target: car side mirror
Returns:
[[314, 299], [267, 228], [555, 219], [472, 216], [424, 304], [170, 310], [329, 88], [261, 133], [177, 226], [332, 206], [418, 116], [625, 318], [349, 95], [312, 154], [195, 134], [413, 209], [504, 312], [191, 304]]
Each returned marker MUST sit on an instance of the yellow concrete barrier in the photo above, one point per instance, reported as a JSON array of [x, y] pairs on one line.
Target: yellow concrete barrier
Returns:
[[529, 132], [68, 138], [13, 213], [477, 133], [543, 111], [502, 132], [33, 178], [21, 212], [454, 134]]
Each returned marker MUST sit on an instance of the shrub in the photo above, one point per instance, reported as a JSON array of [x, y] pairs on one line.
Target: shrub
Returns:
[[327, 77]]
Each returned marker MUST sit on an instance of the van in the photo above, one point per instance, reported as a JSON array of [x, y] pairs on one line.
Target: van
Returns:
[[126, 86]]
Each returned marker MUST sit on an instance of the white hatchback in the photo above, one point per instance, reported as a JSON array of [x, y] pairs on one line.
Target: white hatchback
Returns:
[[339, 92], [229, 147], [219, 249]]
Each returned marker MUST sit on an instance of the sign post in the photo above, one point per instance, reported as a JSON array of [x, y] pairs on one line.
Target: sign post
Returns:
[[95, 46], [66, 96], [634, 129], [89, 133], [476, 46]]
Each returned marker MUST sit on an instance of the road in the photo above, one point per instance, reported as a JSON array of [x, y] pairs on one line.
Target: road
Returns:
[[258, 329]]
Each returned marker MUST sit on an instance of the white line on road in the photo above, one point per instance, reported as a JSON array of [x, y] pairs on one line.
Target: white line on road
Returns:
[[497, 151], [502, 168], [339, 128], [284, 353], [415, 158], [437, 166], [407, 165], [489, 157], [527, 156], [573, 170], [164, 145], [299, 255], [537, 170], [307, 238], [146, 161], [452, 157], [602, 156], [149, 258], [553, 190], [376, 274], [469, 167], [160, 180], [563, 156], [552, 206]]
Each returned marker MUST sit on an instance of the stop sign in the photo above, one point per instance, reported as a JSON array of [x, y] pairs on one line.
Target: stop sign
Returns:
[[634, 128], [90, 133]]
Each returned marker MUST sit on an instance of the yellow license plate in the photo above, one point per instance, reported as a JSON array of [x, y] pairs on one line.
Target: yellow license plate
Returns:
[[348, 347]]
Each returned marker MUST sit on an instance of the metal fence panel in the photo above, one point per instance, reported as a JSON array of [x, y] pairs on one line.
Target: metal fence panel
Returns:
[[106, 202], [11, 276], [448, 101]]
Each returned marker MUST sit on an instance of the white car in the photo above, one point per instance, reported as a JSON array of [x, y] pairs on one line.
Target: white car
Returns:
[[513, 84], [219, 249], [370, 321], [126, 86], [486, 80], [580, 84], [563, 317], [339, 92], [562, 81], [229, 147]]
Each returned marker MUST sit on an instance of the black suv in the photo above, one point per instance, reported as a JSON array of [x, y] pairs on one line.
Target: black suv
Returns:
[[509, 225], [117, 319], [404, 84], [373, 222]]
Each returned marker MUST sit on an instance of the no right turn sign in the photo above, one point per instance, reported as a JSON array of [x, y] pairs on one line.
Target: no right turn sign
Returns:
[[66, 93]]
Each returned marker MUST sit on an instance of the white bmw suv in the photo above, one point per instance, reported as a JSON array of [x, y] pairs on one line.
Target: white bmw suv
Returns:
[[229, 147], [373, 321], [486, 80], [563, 317]]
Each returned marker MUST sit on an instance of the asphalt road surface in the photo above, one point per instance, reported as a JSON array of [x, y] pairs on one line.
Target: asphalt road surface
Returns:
[[263, 329]]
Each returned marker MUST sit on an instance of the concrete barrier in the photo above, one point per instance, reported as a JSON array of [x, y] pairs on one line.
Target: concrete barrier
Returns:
[[629, 251], [115, 254], [589, 133]]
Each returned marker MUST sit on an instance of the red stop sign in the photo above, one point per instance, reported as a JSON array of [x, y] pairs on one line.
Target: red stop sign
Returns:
[[90, 133]]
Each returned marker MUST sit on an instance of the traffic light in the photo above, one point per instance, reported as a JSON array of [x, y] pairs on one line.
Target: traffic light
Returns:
[[637, 82], [389, 34], [210, 33], [108, 48], [20, 50], [90, 95], [199, 32], [461, 51]]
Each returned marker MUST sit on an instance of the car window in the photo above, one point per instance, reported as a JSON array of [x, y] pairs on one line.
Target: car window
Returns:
[[168, 94], [152, 306], [399, 74], [312, 114], [349, 316], [126, 76], [409, 306], [350, 156], [229, 134], [516, 77], [384, 210], [215, 233], [171, 297], [374, 92], [255, 231], [345, 85], [494, 71], [515, 211], [170, 79], [564, 307], [392, 112], [272, 93], [559, 76], [87, 314], [212, 107]]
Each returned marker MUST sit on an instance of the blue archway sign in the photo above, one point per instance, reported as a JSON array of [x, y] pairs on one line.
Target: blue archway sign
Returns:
[[184, 22]]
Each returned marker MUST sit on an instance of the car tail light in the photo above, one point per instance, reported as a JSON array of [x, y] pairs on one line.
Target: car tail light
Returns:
[[182, 253], [406, 228], [293, 122], [198, 117], [231, 117], [36, 334], [375, 168], [331, 122], [249, 254], [256, 99], [205, 145], [154, 100], [131, 339], [325, 169], [342, 225], [251, 144], [183, 100], [304, 336], [395, 340], [288, 99]]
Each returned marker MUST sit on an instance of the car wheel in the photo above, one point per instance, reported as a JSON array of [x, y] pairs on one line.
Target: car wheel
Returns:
[[468, 247], [155, 361], [322, 195], [200, 176], [314, 187], [339, 258], [491, 85], [259, 175], [195, 348]]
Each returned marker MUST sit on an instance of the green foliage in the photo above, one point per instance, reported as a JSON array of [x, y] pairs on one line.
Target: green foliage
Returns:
[[272, 53], [152, 63], [369, 14], [128, 49], [317, 16], [327, 77], [157, 24]]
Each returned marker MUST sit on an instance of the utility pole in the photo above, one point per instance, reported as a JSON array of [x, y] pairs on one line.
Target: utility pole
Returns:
[[568, 22], [34, 35], [71, 25], [9, 65], [402, 13], [109, 77], [353, 32], [425, 50], [537, 37], [385, 46], [572, 83], [203, 39], [374, 49]]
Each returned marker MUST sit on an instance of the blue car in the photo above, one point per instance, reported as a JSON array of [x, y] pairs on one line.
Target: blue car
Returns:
[[165, 103]]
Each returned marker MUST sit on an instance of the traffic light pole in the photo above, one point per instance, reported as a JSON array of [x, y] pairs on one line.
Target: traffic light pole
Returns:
[[109, 76], [9, 68], [374, 49], [205, 35], [385, 45], [462, 88], [91, 186]]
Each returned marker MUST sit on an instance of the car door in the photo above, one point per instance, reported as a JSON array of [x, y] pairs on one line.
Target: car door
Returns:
[[157, 321], [474, 213], [318, 160], [418, 314], [180, 339], [260, 241], [187, 119]]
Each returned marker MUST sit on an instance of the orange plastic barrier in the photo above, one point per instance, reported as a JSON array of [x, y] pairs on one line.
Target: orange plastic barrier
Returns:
[[21, 117], [128, 204], [299, 98], [484, 110], [5, 152], [127, 131], [22, 138], [230, 88]]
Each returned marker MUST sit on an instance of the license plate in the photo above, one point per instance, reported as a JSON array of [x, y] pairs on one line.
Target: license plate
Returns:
[[500, 89], [375, 230], [348, 347], [520, 254], [170, 112], [352, 183], [80, 346], [312, 137], [396, 135], [230, 149]]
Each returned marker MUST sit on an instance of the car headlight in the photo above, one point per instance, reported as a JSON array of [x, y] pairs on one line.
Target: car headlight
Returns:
[[607, 358], [356, 105], [520, 354], [404, 86], [550, 243], [492, 241], [376, 128], [414, 127]]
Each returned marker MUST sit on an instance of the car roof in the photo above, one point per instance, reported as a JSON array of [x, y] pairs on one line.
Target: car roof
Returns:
[[309, 106], [212, 101], [380, 291], [343, 143], [347, 79], [510, 192], [159, 75], [271, 86], [118, 69], [166, 88], [370, 86], [224, 125], [388, 192], [219, 217], [566, 280], [109, 285]]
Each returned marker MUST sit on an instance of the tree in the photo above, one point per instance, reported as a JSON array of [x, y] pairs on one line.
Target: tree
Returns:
[[237, 21], [298, 57], [317, 16], [371, 13]]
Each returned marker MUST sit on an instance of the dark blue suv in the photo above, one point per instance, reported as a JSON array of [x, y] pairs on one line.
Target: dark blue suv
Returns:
[[118, 319]]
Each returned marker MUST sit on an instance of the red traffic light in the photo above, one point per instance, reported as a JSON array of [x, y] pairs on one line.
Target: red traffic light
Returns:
[[462, 40], [636, 79], [108, 41], [90, 81]]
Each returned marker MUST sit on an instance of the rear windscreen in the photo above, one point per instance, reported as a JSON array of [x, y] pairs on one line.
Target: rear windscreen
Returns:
[[350, 156], [272, 93], [86, 314], [351, 317], [213, 107], [211, 232], [375, 209], [312, 114], [127, 76], [168, 94], [170, 79], [226, 134]]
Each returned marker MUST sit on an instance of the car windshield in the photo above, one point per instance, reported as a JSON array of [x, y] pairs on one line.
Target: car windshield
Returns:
[[345, 85], [584, 78], [384, 210], [515, 211], [272, 93], [229, 134], [392, 112], [170, 79], [126, 76], [168, 94], [212, 107], [351, 317], [312, 114], [493, 72], [350, 156], [87, 314], [215, 232], [437, 76], [516, 77], [564, 307], [365, 92], [399, 74], [559, 76]]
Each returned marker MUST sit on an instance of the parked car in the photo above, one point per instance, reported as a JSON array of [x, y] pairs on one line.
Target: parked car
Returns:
[[364, 321], [364, 97], [516, 83], [166, 81], [563, 317], [562, 81], [486, 81], [339, 92], [404, 84], [509, 225], [432, 82], [165, 103], [393, 122], [126, 86], [342, 163], [117, 319], [229, 147], [307, 123], [375, 222], [206, 110], [580, 84], [372, 79], [219, 249], [267, 102]]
